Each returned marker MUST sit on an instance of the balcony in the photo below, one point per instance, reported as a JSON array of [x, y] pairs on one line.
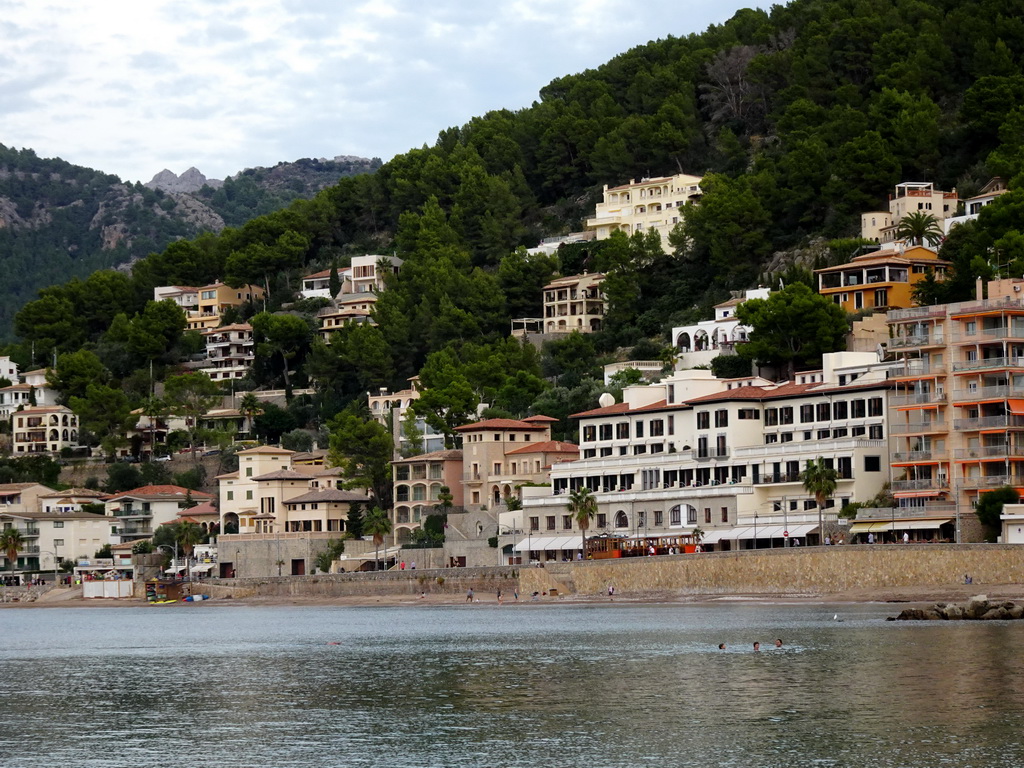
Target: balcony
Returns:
[[981, 335], [710, 453], [988, 362], [917, 340], [910, 456], [914, 368], [984, 451], [918, 398], [918, 427], [996, 392], [30, 533], [1006, 421], [940, 483], [992, 481], [132, 512]]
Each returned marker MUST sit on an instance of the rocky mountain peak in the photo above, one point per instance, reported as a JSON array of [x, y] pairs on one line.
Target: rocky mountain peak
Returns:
[[191, 180]]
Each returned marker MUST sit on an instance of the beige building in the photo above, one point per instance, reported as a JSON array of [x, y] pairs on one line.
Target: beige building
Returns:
[[574, 303], [350, 309], [43, 429], [368, 272], [230, 351], [909, 197], [646, 204], [417, 486], [139, 512]]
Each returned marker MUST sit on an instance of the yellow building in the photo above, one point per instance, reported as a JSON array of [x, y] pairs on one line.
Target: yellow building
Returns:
[[646, 204], [214, 299], [574, 303], [881, 279]]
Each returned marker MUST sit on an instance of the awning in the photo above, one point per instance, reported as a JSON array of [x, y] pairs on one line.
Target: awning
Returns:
[[917, 494], [803, 529], [739, 533], [173, 569], [548, 543], [1016, 406], [919, 525], [869, 527], [201, 568], [713, 537]]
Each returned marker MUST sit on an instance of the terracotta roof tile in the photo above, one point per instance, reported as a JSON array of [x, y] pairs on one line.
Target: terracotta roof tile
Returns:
[[549, 446], [498, 424]]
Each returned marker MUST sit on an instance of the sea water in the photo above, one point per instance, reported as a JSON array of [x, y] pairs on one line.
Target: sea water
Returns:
[[231, 685]]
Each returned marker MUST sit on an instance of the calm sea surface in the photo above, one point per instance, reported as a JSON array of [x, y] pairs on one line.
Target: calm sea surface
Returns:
[[522, 685]]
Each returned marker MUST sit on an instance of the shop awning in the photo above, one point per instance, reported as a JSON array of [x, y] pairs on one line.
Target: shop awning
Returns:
[[869, 527], [713, 537], [548, 544], [204, 568], [919, 525], [1016, 406], [803, 529]]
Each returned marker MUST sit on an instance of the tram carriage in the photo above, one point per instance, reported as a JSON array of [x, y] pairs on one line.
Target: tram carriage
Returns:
[[608, 547]]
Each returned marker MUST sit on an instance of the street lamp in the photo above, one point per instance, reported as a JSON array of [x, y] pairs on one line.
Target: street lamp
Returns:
[[174, 564], [755, 531], [238, 557]]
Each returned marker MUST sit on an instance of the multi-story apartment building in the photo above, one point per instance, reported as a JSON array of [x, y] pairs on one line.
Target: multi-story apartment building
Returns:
[[44, 429], [51, 533], [368, 272], [722, 455], [959, 419], [574, 303], [136, 514], [700, 343], [184, 296], [909, 197], [880, 280], [494, 469], [353, 308], [418, 481], [214, 299], [391, 409], [230, 351], [646, 204]]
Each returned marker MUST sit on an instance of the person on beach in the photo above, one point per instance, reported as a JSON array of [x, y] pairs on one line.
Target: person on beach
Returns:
[[499, 597], [469, 595]]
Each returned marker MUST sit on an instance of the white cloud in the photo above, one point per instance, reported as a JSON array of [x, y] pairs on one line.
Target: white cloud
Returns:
[[133, 87]]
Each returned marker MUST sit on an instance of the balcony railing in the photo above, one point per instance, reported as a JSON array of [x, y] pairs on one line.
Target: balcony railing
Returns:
[[992, 481], [916, 368], [132, 513], [989, 362], [983, 451], [915, 427], [918, 398], [710, 453], [988, 422], [911, 456], [988, 393], [923, 484], [917, 340]]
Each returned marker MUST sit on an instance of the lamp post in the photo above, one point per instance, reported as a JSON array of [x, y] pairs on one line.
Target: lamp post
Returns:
[[175, 563], [238, 557], [755, 531]]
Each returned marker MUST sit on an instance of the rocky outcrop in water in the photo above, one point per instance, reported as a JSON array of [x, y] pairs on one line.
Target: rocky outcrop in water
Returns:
[[978, 608]]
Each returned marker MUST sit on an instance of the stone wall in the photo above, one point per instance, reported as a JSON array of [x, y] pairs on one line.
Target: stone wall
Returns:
[[761, 572], [780, 571]]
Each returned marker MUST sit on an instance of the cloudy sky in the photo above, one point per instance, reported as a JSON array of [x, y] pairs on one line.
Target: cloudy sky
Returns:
[[134, 86]]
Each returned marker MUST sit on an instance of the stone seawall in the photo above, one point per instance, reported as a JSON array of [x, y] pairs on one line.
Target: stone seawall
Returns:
[[766, 572], [444, 581], [780, 571]]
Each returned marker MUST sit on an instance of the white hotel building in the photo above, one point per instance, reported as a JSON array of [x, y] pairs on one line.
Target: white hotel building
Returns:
[[723, 455]]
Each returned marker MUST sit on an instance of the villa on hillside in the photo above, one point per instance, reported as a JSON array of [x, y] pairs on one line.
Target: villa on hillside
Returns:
[[880, 280], [702, 342], [639, 206]]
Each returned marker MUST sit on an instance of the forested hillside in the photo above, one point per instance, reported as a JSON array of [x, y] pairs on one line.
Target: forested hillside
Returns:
[[799, 118]]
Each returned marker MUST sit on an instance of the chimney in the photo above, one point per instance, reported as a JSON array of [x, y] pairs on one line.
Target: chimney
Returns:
[[979, 289]]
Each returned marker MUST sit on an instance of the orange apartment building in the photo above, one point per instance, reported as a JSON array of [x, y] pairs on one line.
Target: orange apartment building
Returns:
[[880, 280], [958, 413]]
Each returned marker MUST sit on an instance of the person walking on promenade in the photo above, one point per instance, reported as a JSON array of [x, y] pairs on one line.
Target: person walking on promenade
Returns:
[[469, 595]]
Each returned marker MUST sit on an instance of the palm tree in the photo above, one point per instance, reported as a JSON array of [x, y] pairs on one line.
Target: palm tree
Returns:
[[11, 541], [583, 507], [189, 534], [376, 523], [917, 227], [250, 407], [819, 480]]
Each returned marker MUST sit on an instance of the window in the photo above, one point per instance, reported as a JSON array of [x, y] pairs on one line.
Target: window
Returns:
[[786, 415], [248, 471], [768, 439], [622, 430], [550, 522], [534, 523], [872, 464], [567, 522], [749, 413], [703, 420], [58, 523], [606, 431], [602, 520], [657, 428], [721, 418], [771, 417], [671, 425], [675, 516], [823, 411], [58, 542], [639, 429], [725, 514], [858, 409], [231, 495], [691, 514], [590, 453], [875, 432], [659, 518], [707, 515], [839, 410], [875, 406], [806, 414], [497, 468], [808, 503], [839, 432], [858, 431], [786, 437], [589, 434], [248, 495]]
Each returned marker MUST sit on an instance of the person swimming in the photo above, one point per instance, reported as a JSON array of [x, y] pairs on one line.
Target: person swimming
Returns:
[[721, 646], [757, 646], [778, 642]]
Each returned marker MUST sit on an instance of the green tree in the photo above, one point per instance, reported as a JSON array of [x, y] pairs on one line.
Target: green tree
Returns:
[[583, 508], [354, 523], [284, 336], [378, 525], [990, 507], [819, 480], [325, 559], [191, 396], [11, 542], [104, 412], [249, 407], [188, 535], [362, 449], [792, 327], [919, 228], [74, 372], [730, 366]]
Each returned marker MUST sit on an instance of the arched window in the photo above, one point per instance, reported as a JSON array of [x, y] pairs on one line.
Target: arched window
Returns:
[[621, 521]]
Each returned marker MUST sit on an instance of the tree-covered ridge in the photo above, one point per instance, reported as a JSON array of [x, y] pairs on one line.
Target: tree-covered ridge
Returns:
[[258, 191]]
